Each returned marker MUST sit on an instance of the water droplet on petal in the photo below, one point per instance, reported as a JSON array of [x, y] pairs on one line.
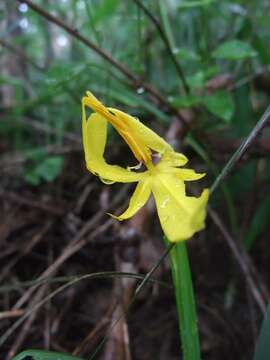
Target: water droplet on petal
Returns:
[[165, 202]]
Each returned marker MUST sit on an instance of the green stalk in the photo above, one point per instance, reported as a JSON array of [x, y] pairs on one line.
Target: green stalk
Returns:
[[185, 302]]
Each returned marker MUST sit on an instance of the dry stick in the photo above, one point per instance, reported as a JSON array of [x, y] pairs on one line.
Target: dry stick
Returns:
[[239, 254], [75, 245], [133, 299], [32, 243], [78, 242], [242, 149], [134, 79], [38, 296], [45, 128], [27, 325], [163, 36], [70, 250], [74, 32], [11, 314], [242, 260], [16, 158], [73, 280]]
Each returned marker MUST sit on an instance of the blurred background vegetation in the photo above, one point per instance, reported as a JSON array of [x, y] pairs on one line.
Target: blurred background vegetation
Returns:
[[196, 71]]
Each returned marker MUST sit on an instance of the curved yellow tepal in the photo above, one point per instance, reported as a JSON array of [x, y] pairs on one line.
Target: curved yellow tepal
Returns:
[[180, 216]]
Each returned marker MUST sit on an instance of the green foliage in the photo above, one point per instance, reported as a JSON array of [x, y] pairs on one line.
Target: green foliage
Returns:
[[234, 50], [185, 54], [105, 9], [42, 167], [220, 104], [259, 222]]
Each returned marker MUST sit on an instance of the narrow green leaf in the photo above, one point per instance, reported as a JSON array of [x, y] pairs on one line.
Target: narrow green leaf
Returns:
[[163, 8], [259, 222], [262, 351], [185, 301], [220, 104], [234, 50], [194, 3], [44, 355]]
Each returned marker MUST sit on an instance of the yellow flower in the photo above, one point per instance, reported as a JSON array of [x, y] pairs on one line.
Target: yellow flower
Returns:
[[180, 215]]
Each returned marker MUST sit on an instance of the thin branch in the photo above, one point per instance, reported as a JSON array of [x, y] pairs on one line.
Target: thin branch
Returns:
[[132, 301], [133, 78], [18, 52], [164, 38], [257, 289], [75, 33], [246, 144]]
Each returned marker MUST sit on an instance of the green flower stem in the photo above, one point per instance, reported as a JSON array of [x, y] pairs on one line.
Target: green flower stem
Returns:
[[185, 302]]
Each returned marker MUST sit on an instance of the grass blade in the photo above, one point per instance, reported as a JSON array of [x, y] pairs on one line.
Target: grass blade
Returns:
[[258, 223], [44, 355]]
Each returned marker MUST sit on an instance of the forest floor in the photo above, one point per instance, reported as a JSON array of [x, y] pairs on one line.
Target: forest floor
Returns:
[[60, 230]]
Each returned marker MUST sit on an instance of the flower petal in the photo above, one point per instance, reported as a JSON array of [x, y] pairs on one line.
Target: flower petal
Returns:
[[180, 215], [172, 159], [94, 141], [187, 174], [147, 136], [137, 200], [137, 146]]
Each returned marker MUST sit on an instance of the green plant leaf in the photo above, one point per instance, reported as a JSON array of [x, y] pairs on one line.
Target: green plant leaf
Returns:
[[104, 10], [44, 355], [43, 168], [234, 50], [185, 54], [31, 177], [262, 351], [220, 104], [50, 168], [184, 101], [197, 80]]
